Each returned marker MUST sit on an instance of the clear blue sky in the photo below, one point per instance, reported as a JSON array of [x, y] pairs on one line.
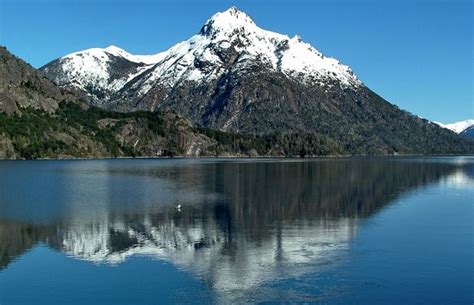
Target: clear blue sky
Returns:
[[418, 54]]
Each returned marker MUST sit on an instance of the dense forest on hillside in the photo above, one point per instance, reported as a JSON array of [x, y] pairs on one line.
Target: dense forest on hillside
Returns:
[[79, 131]]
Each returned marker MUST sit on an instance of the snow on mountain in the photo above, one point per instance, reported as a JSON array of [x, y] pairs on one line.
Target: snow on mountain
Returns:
[[458, 127], [200, 59], [101, 72], [289, 55], [146, 59]]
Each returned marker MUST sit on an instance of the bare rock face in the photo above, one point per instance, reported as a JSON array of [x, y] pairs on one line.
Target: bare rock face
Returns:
[[22, 86], [7, 150], [178, 138]]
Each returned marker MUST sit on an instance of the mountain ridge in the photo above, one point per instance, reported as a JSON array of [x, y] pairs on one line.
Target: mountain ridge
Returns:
[[186, 60], [458, 127]]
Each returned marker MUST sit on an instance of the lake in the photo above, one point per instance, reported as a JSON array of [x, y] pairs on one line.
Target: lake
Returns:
[[161, 231]]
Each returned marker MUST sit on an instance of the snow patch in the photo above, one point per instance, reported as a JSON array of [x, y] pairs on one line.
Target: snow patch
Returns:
[[458, 127]]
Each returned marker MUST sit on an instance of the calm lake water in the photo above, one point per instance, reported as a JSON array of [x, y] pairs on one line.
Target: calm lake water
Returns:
[[330, 231]]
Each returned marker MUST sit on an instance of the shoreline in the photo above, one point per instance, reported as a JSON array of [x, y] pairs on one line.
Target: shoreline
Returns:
[[237, 157]]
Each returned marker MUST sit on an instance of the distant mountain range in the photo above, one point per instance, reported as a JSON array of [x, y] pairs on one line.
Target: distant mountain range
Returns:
[[464, 128], [233, 88]]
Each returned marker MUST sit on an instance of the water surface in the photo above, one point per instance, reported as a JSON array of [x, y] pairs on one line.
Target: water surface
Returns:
[[331, 231]]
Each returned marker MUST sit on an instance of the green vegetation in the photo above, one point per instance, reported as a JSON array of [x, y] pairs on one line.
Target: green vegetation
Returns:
[[286, 144], [231, 142], [77, 130], [71, 131], [29, 133]]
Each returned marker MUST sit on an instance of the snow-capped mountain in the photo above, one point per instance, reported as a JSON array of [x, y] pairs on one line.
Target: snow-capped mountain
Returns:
[[235, 76], [202, 58], [458, 127], [468, 132], [98, 72]]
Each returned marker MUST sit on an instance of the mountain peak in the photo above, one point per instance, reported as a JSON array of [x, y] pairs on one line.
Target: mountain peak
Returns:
[[229, 41], [235, 12], [229, 20], [114, 49]]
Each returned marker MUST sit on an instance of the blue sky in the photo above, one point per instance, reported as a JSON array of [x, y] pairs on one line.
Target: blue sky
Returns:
[[418, 54]]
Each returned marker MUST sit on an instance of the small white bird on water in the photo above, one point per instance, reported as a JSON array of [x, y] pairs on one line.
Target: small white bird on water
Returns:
[[178, 207]]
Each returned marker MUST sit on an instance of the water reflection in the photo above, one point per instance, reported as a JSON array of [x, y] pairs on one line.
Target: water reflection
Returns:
[[240, 223]]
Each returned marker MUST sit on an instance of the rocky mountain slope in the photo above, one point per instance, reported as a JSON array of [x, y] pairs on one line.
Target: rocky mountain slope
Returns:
[[22, 86], [468, 132], [235, 76], [40, 120]]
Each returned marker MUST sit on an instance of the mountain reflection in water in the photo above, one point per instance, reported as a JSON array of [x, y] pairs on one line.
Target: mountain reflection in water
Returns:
[[241, 223]]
